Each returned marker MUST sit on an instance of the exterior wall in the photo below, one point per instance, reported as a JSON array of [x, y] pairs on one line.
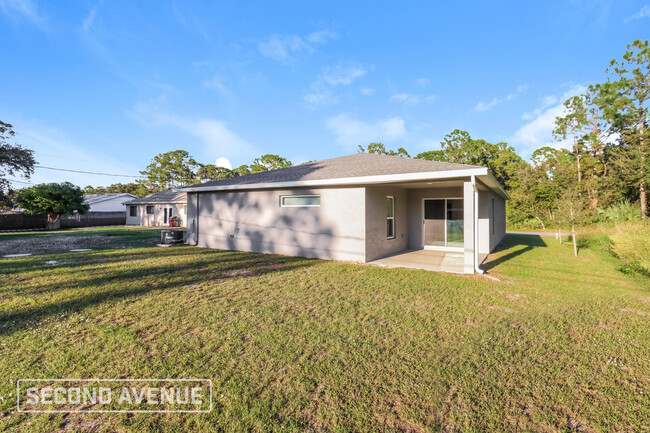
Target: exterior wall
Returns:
[[350, 224], [377, 243], [157, 219], [254, 221], [416, 212], [489, 235]]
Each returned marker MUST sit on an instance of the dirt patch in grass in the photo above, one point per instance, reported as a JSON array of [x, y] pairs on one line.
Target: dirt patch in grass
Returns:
[[514, 296], [239, 273], [496, 307], [629, 310], [50, 244]]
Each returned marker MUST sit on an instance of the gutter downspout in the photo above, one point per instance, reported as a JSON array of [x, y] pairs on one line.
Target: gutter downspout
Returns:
[[195, 225], [475, 189]]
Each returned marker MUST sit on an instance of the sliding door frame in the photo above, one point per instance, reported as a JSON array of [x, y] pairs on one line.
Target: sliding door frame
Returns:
[[436, 247]]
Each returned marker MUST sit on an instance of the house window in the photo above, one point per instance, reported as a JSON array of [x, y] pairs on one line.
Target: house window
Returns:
[[149, 210], [300, 200], [133, 211], [390, 217]]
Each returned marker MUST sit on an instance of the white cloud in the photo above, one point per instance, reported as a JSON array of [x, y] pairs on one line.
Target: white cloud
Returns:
[[405, 98], [410, 99], [213, 83], [191, 21], [322, 36], [23, 10], [223, 162], [87, 23], [285, 48], [217, 138], [342, 75], [351, 132], [367, 91], [216, 135], [320, 97], [485, 106], [422, 82], [538, 132], [547, 101], [643, 13], [282, 48]]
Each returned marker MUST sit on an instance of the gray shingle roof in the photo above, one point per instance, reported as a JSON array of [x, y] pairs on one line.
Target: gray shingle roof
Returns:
[[357, 165], [98, 198], [167, 196]]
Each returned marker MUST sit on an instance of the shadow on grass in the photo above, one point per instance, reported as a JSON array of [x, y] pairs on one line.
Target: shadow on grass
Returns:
[[129, 282], [510, 244], [98, 256]]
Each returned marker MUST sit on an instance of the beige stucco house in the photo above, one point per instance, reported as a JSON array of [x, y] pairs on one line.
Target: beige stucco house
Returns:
[[156, 209], [365, 207]]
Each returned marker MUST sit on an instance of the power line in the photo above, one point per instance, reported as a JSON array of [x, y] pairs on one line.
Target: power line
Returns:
[[85, 172], [20, 181]]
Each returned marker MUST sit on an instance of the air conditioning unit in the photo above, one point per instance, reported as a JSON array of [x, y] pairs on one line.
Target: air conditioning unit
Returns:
[[170, 237]]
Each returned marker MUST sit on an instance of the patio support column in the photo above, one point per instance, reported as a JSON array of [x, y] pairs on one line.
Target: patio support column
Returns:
[[468, 226]]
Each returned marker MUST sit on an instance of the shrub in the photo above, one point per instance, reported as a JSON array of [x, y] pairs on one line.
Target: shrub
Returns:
[[631, 244], [620, 212]]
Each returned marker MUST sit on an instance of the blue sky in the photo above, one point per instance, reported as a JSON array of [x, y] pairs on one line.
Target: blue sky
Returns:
[[104, 86]]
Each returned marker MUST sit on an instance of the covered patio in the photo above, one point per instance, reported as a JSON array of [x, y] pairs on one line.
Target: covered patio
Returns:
[[443, 225], [429, 260]]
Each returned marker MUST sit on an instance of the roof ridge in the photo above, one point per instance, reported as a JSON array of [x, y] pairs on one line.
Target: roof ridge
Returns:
[[353, 165], [419, 159]]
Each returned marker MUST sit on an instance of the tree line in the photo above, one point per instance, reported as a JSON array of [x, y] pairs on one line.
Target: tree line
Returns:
[[179, 168], [602, 175]]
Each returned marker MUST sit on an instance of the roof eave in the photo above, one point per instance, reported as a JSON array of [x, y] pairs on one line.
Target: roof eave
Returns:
[[496, 186], [132, 203], [360, 180]]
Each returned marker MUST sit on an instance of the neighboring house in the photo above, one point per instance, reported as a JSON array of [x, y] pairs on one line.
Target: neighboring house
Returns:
[[360, 207], [156, 209], [113, 202]]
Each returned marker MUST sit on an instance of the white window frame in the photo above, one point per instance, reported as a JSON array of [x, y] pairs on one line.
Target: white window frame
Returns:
[[445, 247], [131, 207], [392, 219], [298, 196]]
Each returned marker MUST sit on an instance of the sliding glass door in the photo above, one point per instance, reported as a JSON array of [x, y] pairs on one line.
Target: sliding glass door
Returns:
[[443, 224], [455, 238]]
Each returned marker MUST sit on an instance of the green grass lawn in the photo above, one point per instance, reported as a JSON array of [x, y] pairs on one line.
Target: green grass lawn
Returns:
[[557, 345]]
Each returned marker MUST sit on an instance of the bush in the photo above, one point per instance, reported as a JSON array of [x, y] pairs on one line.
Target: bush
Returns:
[[525, 225], [631, 244], [620, 212]]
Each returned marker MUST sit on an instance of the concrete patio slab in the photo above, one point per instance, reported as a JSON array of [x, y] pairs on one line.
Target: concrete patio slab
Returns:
[[428, 260], [440, 261]]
